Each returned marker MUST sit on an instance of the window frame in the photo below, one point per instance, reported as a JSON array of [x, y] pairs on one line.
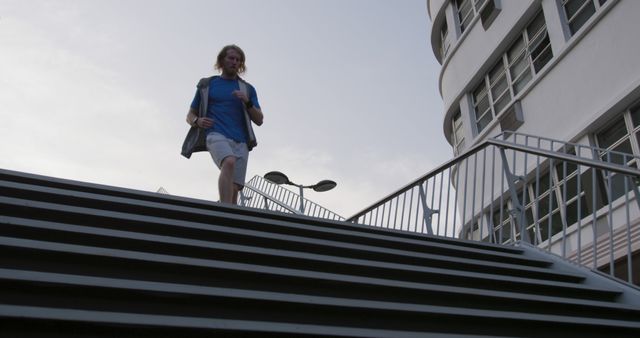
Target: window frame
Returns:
[[568, 21], [632, 136], [507, 65], [457, 132]]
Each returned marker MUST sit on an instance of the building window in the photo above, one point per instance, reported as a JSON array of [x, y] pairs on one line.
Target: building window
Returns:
[[457, 133], [488, 10], [466, 13], [619, 138], [502, 223], [552, 201], [578, 12], [513, 71], [468, 9], [444, 41]]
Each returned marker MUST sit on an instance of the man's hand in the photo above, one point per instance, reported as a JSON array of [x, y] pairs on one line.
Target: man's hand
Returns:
[[204, 122], [240, 95]]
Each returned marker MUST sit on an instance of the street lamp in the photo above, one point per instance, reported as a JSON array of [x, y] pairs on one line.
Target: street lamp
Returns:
[[280, 178]]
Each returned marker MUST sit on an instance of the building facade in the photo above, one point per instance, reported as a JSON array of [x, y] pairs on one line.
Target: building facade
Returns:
[[559, 69]]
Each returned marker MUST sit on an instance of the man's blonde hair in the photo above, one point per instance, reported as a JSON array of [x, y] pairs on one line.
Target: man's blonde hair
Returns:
[[218, 66]]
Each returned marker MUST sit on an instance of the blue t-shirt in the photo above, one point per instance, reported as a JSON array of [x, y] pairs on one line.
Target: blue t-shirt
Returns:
[[225, 109]]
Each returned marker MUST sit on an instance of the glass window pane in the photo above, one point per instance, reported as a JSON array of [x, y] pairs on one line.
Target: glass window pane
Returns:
[[484, 122], [518, 67], [496, 215], [503, 102], [496, 73], [543, 228], [465, 13], [457, 118], [506, 233], [529, 216], [526, 198], [581, 17], [635, 116], [617, 186], [499, 88], [572, 210], [480, 92], [612, 134], [535, 26], [482, 107], [543, 184], [556, 223], [560, 169], [624, 147], [572, 7], [542, 59], [516, 50], [522, 81], [479, 4], [572, 187], [543, 205]]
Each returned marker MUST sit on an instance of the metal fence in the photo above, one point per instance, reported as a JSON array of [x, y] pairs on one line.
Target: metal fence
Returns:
[[573, 200], [262, 194]]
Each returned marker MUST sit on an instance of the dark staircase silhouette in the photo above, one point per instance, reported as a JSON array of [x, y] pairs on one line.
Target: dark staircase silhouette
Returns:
[[86, 260]]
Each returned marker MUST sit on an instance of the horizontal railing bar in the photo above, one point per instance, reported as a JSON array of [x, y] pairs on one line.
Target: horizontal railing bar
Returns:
[[502, 144], [420, 179], [577, 145], [568, 158]]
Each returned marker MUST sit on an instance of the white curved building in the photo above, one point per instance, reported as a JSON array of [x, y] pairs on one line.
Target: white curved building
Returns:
[[560, 69], [566, 68]]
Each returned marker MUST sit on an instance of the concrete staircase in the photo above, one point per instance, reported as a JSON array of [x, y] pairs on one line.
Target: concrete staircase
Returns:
[[85, 260]]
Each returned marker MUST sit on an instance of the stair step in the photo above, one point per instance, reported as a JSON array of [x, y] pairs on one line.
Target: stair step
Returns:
[[71, 185], [121, 262], [27, 227], [88, 260], [439, 321], [83, 287], [351, 233], [125, 240]]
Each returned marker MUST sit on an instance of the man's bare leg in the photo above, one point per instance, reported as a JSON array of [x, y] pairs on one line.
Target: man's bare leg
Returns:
[[236, 190], [226, 187]]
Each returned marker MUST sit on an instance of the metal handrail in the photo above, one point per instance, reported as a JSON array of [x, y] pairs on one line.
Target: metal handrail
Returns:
[[496, 142], [563, 144], [267, 195], [505, 191], [420, 179]]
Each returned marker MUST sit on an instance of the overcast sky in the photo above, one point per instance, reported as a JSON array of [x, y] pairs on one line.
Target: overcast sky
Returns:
[[98, 90]]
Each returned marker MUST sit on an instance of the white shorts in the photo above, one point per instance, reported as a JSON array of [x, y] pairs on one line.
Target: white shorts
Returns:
[[220, 147]]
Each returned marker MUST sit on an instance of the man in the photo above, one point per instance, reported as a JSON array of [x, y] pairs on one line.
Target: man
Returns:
[[229, 135]]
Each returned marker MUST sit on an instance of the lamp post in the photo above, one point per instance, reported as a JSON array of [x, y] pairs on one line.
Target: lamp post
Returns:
[[280, 178]]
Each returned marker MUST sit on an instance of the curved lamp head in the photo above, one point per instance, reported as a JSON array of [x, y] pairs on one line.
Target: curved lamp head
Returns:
[[277, 177], [324, 185]]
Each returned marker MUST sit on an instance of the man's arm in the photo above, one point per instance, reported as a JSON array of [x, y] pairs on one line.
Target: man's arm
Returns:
[[256, 115], [195, 121], [192, 115]]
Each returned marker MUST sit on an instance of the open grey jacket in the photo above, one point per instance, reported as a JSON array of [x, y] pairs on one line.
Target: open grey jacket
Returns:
[[196, 137]]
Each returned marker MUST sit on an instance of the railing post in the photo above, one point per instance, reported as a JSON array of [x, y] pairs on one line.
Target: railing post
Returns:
[[266, 204], [244, 199], [518, 209], [428, 212]]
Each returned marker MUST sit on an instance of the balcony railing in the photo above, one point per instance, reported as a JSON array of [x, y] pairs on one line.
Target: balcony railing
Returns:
[[576, 201], [262, 194]]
